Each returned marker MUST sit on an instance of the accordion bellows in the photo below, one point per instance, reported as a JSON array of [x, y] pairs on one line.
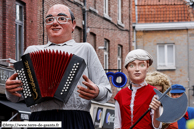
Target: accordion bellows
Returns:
[[49, 74]]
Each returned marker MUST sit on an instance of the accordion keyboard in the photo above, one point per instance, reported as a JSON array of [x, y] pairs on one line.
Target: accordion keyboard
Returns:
[[26, 88]]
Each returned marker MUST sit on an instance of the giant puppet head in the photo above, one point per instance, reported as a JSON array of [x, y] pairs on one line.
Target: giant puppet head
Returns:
[[137, 63]]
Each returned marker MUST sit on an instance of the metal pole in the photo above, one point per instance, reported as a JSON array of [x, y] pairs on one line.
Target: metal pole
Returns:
[[13, 116], [84, 22]]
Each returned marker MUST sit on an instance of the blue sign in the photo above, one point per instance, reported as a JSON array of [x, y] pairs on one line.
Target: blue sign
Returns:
[[114, 78]]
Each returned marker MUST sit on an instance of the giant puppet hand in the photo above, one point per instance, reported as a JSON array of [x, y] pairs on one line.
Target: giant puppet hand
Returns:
[[90, 92], [155, 104], [13, 86]]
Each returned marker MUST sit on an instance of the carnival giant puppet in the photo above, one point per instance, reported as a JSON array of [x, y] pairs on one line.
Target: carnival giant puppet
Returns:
[[134, 100]]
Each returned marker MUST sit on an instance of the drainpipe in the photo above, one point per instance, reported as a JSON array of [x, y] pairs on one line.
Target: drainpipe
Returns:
[[43, 22], [84, 22], [188, 78], [134, 29], [134, 38]]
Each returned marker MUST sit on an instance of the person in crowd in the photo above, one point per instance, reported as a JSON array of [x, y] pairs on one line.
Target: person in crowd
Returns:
[[162, 82], [93, 85], [134, 100], [177, 91]]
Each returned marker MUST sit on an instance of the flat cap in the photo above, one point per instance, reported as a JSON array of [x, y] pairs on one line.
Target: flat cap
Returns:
[[177, 88], [138, 54]]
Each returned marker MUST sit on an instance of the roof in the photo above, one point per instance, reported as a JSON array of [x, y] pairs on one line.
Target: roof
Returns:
[[157, 11]]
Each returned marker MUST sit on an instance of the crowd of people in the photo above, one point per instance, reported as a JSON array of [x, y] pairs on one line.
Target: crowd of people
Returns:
[[130, 103]]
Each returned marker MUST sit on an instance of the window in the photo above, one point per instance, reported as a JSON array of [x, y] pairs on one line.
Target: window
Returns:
[[19, 32], [165, 56], [119, 57], [119, 19], [106, 10], [92, 40], [119, 11], [106, 44], [119, 62], [106, 7], [77, 34]]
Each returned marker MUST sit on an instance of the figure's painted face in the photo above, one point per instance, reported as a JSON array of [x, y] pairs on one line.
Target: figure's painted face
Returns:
[[176, 95], [137, 71], [59, 33]]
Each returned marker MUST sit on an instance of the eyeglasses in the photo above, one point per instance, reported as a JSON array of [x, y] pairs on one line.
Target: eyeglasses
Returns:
[[60, 19]]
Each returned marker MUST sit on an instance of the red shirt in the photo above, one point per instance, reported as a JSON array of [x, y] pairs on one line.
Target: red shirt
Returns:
[[143, 98]]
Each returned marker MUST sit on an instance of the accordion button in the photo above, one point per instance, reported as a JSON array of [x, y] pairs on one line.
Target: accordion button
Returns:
[[72, 74], [76, 66], [65, 90], [75, 69], [61, 93], [77, 63]]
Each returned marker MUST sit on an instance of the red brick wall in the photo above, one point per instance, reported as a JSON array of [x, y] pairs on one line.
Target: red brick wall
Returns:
[[7, 26], [1, 30]]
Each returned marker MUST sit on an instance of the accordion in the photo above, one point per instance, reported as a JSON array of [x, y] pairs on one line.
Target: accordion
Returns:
[[49, 74]]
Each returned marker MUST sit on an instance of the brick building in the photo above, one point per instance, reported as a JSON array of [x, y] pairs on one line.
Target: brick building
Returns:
[[19, 29], [165, 29], [107, 24]]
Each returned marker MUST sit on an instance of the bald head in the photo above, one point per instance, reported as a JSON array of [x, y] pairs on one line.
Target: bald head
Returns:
[[60, 32], [64, 7]]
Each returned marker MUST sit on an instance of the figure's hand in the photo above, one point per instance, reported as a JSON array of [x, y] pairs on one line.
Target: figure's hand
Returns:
[[155, 104], [13, 86], [90, 92]]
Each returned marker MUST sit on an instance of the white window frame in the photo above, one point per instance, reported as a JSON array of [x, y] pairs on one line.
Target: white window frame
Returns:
[[106, 7], [165, 66], [119, 11], [119, 19], [19, 40], [119, 59], [106, 10], [106, 44]]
